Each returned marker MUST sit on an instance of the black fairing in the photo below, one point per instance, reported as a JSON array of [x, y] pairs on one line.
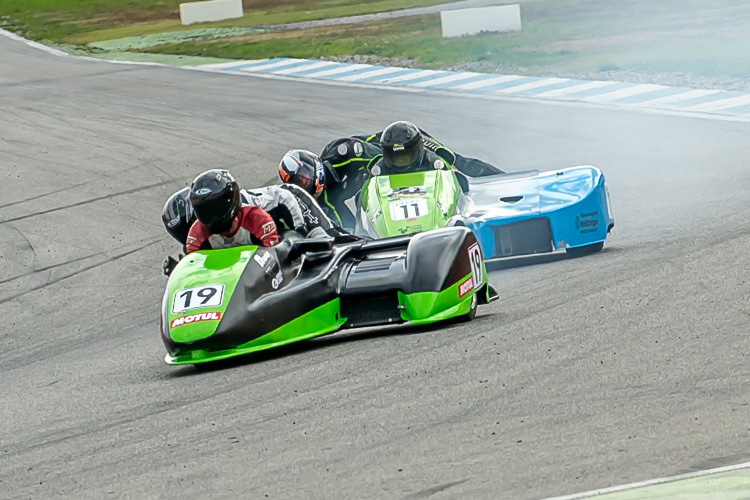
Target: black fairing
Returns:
[[362, 274], [431, 266]]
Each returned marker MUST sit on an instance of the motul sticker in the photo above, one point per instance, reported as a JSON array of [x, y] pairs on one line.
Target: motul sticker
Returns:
[[465, 287], [195, 318]]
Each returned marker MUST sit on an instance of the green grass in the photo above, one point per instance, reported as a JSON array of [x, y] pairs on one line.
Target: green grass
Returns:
[[559, 37], [85, 21]]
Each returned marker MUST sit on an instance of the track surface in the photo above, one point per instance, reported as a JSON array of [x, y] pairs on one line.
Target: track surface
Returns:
[[618, 367]]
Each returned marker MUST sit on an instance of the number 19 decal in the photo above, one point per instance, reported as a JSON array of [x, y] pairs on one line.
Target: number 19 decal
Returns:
[[199, 296], [477, 270]]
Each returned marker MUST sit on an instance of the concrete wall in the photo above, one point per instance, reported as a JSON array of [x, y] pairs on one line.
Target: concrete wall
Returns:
[[472, 21], [212, 10]]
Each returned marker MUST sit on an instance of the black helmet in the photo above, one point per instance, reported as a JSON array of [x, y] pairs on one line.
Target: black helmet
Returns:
[[402, 145], [215, 196], [303, 169], [178, 215]]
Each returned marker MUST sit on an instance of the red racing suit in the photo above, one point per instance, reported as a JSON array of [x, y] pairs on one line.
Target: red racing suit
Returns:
[[252, 226]]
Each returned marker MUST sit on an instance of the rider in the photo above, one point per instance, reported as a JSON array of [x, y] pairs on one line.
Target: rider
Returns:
[[345, 164], [178, 215], [290, 207], [404, 152], [223, 220], [331, 186]]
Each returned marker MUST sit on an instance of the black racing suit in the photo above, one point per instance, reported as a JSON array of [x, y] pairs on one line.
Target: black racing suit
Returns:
[[316, 221], [349, 159], [346, 162]]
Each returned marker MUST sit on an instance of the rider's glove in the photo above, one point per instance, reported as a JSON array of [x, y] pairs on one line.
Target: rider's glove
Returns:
[[170, 263]]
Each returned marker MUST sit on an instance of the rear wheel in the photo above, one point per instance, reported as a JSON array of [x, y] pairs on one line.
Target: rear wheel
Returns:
[[584, 250]]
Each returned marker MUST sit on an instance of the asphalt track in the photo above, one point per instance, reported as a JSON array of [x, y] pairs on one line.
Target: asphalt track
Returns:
[[618, 367]]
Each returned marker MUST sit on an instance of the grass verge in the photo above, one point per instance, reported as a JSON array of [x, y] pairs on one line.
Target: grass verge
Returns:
[[82, 22], [559, 37]]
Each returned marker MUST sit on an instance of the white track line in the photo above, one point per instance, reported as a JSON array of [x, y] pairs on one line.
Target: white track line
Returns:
[[623, 93], [488, 82], [576, 88], [532, 85], [270, 65], [368, 74], [729, 102], [445, 79], [336, 71], [683, 96], [304, 67], [409, 76], [651, 482], [228, 65]]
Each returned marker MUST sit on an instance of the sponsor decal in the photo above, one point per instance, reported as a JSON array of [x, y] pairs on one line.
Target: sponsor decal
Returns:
[[466, 286], [268, 227], [441, 207], [195, 318], [587, 223], [375, 216], [319, 171], [410, 229], [203, 191], [277, 281], [262, 258], [173, 222], [406, 192], [307, 214], [475, 259], [398, 147]]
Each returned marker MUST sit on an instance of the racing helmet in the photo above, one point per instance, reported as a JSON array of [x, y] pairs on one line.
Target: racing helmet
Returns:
[[303, 169], [215, 197], [402, 146], [178, 215]]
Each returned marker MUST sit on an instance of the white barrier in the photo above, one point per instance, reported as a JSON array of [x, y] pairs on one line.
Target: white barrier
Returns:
[[472, 21], [212, 10]]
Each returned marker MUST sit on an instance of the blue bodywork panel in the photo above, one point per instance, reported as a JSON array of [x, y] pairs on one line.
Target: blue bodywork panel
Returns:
[[532, 212]]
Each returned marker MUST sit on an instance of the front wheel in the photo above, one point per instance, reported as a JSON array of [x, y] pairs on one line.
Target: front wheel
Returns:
[[473, 311], [584, 250]]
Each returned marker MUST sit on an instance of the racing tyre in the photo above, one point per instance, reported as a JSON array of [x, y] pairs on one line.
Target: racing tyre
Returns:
[[584, 250], [473, 311]]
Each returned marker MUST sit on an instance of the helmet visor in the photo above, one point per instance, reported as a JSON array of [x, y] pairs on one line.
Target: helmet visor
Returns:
[[217, 213], [403, 157], [304, 177]]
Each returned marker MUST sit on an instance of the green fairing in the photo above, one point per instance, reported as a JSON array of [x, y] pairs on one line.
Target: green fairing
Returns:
[[319, 321], [428, 307], [441, 190], [205, 267]]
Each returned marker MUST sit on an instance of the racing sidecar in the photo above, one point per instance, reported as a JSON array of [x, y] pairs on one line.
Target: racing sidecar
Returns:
[[224, 303], [511, 214]]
